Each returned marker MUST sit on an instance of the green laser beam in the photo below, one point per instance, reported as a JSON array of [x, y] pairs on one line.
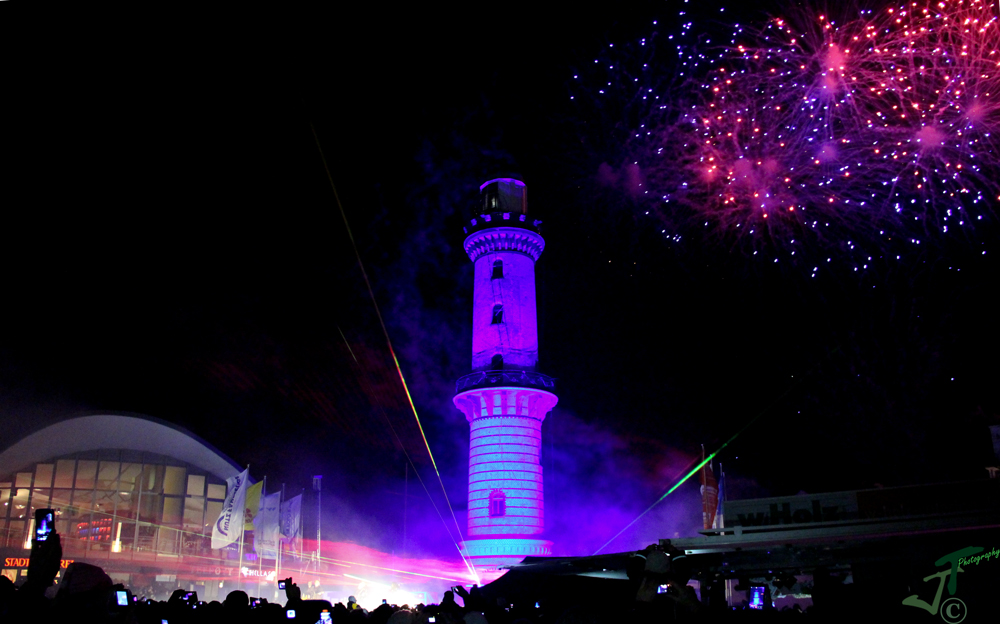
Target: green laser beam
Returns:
[[718, 450]]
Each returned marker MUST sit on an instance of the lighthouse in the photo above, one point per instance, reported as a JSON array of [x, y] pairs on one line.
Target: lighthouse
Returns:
[[505, 398]]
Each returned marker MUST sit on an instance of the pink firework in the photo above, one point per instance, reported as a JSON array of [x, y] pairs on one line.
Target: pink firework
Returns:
[[769, 147], [813, 132], [931, 97]]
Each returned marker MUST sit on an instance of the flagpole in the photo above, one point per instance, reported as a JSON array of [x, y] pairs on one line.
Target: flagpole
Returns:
[[242, 521], [300, 529], [281, 541], [704, 482], [256, 542], [318, 486], [239, 566], [729, 585], [406, 488]]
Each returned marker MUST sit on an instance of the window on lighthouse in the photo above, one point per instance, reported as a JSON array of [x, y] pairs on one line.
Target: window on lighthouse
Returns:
[[498, 314], [497, 269], [498, 504]]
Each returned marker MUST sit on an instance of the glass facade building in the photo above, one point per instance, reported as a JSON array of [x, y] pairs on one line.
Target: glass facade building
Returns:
[[114, 500], [136, 496]]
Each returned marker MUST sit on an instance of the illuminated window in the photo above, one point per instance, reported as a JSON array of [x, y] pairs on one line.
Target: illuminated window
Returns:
[[64, 473], [151, 479], [498, 504], [217, 491], [20, 507], [194, 511], [497, 269], [107, 476], [196, 485], [498, 314], [43, 475], [212, 511], [172, 507], [86, 474], [173, 480]]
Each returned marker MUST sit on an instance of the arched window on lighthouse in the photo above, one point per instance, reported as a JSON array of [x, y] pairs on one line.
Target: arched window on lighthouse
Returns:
[[496, 363], [497, 269], [498, 314], [498, 504]]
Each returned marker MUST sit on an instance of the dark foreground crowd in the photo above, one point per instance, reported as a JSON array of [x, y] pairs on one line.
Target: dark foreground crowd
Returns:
[[87, 595]]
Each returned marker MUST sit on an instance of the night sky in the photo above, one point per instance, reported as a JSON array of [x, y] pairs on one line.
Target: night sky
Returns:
[[172, 247]]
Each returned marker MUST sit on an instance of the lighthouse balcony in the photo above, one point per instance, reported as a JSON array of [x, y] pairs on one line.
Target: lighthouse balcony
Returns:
[[516, 378]]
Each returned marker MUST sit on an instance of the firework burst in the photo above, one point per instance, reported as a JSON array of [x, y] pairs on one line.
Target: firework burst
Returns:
[[846, 136], [932, 107]]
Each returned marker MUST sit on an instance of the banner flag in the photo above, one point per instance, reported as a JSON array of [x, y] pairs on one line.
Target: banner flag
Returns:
[[252, 505], [291, 523], [719, 511], [267, 526], [229, 528], [709, 494]]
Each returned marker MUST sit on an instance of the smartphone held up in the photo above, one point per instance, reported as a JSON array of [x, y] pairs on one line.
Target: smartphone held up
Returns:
[[45, 524]]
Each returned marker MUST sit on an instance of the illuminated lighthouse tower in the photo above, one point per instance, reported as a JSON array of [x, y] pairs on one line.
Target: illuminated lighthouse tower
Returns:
[[504, 399]]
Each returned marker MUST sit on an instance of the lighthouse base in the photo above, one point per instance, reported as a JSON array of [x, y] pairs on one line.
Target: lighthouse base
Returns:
[[490, 555]]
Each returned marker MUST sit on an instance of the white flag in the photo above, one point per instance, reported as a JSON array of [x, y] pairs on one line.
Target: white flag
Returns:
[[291, 523], [267, 526], [229, 527]]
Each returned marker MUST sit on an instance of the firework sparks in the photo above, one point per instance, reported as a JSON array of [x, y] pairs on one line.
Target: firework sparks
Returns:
[[860, 135]]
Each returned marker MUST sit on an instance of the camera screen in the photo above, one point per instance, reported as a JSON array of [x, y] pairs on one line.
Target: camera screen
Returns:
[[756, 597], [281, 584], [122, 598], [44, 527]]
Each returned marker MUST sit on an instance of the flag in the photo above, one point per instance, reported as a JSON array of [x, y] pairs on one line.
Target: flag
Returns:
[[229, 527], [267, 526], [718, 512], [709, 493], [291, 523], [252, 505]]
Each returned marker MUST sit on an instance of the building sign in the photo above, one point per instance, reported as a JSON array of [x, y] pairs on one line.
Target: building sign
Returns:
[[880, 503], [833, 507], [267, 575], [214, 571], [22, 562]]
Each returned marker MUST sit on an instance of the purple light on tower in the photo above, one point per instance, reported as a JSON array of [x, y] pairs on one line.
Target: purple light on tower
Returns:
[[505, 399]]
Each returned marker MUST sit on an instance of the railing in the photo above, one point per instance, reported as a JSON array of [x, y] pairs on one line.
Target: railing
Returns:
[[520, 378]]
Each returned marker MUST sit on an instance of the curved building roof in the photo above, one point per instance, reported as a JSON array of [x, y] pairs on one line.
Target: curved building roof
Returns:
[[109, 431]]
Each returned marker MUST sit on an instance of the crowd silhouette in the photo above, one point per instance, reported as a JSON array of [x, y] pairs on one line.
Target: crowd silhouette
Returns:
[[86, 594]]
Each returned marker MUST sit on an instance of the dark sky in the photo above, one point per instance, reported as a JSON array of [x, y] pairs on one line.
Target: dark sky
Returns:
[[172, 247]]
